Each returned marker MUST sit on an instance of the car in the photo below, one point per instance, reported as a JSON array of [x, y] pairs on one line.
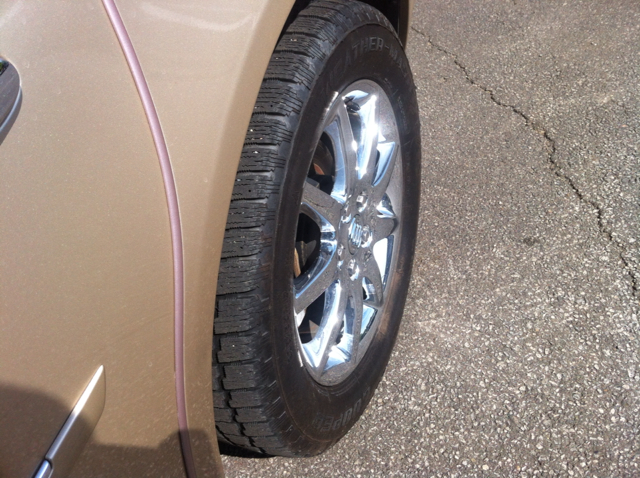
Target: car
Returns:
[[209, 209]]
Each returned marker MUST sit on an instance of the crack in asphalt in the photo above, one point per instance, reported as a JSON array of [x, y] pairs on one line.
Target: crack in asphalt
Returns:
[[551, 159]]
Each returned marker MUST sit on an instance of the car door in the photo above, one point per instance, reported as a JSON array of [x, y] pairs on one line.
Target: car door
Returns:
[[86, 274]]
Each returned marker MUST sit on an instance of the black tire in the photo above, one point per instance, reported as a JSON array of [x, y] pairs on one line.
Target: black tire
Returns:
[[265, 401]]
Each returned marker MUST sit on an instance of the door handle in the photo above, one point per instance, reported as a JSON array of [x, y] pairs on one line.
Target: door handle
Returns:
[[76, 430], [10, 96]]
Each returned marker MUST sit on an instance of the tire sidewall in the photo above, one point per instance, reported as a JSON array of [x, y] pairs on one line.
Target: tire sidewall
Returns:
[[322, 414]]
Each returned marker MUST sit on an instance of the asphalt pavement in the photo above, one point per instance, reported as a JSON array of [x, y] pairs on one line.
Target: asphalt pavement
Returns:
[[519, 353]]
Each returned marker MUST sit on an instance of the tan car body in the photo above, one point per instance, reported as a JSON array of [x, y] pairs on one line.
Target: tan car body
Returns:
[[86, 251]]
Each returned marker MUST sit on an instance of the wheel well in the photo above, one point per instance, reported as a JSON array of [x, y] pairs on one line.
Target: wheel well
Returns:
[[396, 11]]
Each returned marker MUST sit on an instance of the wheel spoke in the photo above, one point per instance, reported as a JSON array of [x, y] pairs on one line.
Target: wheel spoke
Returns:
[[385, 225], [368, 140], [319, 348], [388, 153], [312, 283], [373, 282], [345, 150], [355, 324], [321, 207]]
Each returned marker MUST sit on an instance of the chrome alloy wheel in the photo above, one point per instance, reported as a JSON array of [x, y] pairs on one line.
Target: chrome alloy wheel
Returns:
[[348, 232]]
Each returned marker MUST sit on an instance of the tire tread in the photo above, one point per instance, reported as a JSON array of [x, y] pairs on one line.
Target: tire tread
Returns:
[[247, 407]]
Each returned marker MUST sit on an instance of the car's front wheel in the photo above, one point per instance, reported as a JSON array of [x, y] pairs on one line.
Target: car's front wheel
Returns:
[[320, 234]]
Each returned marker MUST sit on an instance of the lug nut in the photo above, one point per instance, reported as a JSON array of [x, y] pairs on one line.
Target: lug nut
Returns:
[[346, 213], [366, 236], [361, 201], [353, 270]]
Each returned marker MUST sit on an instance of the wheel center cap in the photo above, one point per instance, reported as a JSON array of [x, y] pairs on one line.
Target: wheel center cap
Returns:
[[359, 234]]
